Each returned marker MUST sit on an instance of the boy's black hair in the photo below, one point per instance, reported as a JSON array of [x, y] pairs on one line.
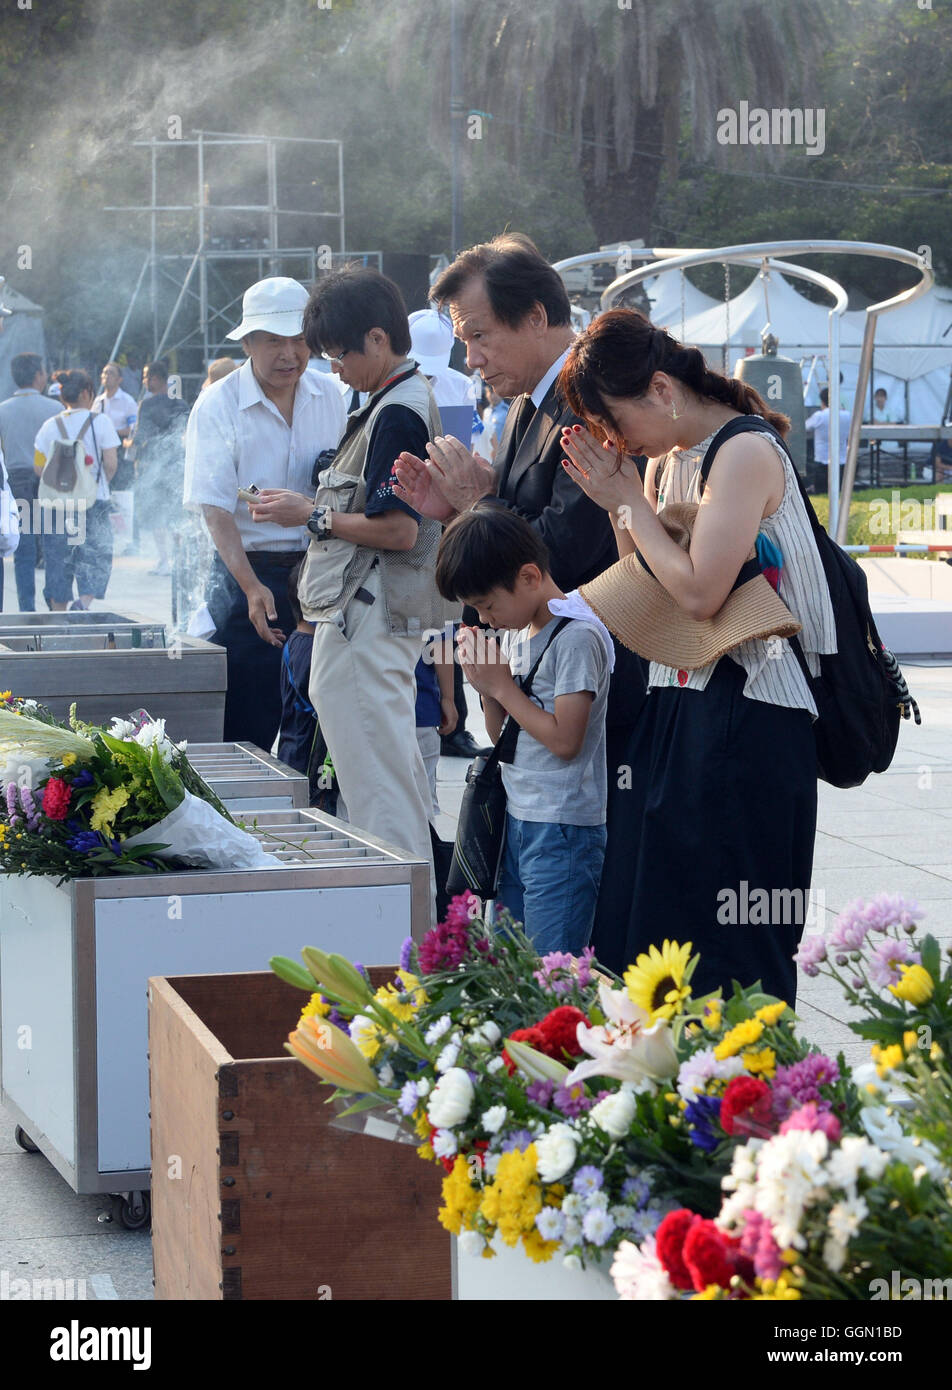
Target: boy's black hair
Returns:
[[824, 396], [485, 549], [293, 599]]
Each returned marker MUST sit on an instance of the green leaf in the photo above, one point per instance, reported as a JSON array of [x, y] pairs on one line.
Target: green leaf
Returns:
[[931, 957], [167, 782]]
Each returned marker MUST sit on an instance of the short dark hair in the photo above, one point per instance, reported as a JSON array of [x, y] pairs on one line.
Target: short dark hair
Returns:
[[517, 277], [157, 368], [347, 304], [825, 395], [24, 368], [73, 384], [293, 600], [880, 391], [485, 548]]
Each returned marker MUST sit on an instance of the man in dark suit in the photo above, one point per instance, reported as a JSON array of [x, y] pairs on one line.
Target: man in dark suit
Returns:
[[510, 308]]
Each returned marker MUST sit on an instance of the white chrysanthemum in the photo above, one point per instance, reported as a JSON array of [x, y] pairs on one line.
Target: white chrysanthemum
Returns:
[[597, 1226], [364, 1032], [572, 1262], [470, 1243], [596, 1201], [448, 1057], [437, 1029], [153, 736], [573, 1205], [639, 1275], [122, 728], [423, 1086], [495, 1065], [623, 1217], [845, 1219], [571, 1231], [444, 1143], [615, 1113], [555, 1152], [855, 1155], [385, 1074], [550, 1223], [493, 1119], [451, 1100], [490, 1164], [488, 1032]]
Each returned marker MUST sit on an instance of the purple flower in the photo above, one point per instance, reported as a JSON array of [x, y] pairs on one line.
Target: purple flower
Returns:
[[587, 1180], [516, 1139], [812, 951], [540, 1092], [701, 1115], [636, 1191], [561, 970], [850, 929], [82, 779], [406, 953], [892, 910], [85, 841], [408, 1098], [798, 1084], [12, 804], [338, 1020], [572, 1100], [886, 959]]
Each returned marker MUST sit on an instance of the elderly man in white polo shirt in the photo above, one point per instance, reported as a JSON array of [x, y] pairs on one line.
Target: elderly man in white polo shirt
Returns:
[[265, 424]]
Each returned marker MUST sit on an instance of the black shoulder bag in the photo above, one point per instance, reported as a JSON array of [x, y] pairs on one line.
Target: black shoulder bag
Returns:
[[477, 853]]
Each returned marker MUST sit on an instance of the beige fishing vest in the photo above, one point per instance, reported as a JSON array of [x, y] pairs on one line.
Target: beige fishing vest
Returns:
[[334, 569]]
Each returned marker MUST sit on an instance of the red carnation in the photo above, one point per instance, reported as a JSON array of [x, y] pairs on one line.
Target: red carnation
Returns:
[[708, 1255], [56, 797], [533, 1036], [746, 1107], [559, 1029], [669, 1244]]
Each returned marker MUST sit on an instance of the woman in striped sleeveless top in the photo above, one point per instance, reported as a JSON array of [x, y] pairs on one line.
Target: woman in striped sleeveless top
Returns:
[[713, 818]]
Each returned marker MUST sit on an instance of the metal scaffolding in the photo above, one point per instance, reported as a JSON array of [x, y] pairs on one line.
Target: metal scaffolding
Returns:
[[205, 296]]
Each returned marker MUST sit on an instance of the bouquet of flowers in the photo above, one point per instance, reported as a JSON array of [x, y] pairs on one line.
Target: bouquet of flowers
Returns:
[[79, 801], [575, 1113]]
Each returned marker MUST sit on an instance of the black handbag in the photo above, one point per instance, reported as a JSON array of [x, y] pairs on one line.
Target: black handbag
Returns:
[[480, 833]]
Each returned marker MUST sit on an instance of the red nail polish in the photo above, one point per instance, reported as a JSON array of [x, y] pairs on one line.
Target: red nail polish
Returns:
[[577, 429]]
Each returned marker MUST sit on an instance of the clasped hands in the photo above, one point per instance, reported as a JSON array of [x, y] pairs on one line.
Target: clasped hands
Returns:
[[483, 663], [610, 479], [450, 480]]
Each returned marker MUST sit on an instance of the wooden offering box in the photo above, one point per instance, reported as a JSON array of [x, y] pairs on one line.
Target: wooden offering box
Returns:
[[254, 1194]]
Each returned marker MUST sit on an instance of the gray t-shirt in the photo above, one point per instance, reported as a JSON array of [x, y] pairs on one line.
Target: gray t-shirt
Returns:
[[539, 785]]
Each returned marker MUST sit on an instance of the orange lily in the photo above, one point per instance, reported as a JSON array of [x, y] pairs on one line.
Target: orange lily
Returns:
[[329, 1052]]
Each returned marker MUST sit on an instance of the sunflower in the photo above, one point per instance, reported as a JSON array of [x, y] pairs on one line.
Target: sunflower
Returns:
[[658, 981]]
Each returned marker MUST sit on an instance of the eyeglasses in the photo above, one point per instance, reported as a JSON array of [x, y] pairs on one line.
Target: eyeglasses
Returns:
[[332, 357]]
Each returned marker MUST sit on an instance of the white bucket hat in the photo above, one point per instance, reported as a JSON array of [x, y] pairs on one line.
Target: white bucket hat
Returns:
[[275, 305], [431, 340]]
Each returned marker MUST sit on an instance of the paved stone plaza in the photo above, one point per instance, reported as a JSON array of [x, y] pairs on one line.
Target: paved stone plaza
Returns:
[[892, 835]]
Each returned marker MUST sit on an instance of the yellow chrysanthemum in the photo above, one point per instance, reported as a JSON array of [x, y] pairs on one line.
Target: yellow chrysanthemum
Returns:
[[656, 981], [420, 1122], [916, 986], [762, 1063], [712, 1015], [537, 1248], [460, 1199], [316, 1007], [713, 1293], [770, 1013], [366, 1035], [106, 805], [910, 1040], [513, 1200], [68, 759], [425, 1151], [742, 1035], [886, 1057], [774, 1290], [6, 694]]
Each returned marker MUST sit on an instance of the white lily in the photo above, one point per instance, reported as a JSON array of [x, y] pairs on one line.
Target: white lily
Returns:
[[625, 1046]]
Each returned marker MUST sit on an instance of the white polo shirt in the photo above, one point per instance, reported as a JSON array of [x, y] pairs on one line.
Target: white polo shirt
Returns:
[[118, 408], [236, 436]]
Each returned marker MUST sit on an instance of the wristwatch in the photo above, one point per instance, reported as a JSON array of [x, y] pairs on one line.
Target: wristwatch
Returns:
[[319, 523]]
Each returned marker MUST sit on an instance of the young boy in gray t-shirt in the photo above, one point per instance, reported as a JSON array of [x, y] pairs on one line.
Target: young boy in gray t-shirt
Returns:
[[556, 787]]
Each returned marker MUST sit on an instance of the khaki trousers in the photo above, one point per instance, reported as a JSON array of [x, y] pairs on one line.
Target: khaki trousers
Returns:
[[363, 689]]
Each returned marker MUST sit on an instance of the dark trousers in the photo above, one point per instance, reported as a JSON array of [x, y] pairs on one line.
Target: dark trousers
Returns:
[[253, 698], [711, 831], [459, 694], [23, 485]]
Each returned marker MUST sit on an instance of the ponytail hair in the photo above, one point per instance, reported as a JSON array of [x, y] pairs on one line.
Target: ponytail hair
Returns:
[[620, 352]]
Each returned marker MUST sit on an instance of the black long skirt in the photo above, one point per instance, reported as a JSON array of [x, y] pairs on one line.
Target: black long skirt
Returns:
[[711, 828]]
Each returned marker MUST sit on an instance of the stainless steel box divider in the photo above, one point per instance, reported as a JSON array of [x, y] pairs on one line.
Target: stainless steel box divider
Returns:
[[246, 777], [74, 962]]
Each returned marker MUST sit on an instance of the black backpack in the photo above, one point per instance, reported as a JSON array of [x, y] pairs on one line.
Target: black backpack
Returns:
[[860, 692]]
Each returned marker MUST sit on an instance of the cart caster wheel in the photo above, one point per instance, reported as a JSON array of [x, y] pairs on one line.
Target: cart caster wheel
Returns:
[[134, 1210], [24, 1141]]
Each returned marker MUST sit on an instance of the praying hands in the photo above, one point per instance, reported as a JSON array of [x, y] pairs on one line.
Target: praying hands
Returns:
[[448, 481]]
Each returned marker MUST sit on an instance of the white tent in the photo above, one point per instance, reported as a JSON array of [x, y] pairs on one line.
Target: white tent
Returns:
[[911, 358], [665, 295]]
